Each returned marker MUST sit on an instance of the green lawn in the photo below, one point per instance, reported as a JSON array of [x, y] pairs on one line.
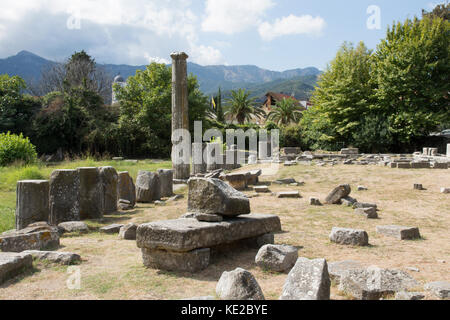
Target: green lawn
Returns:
[[10, 175]]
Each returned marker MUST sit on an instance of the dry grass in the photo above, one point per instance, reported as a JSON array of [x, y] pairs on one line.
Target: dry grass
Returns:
[[113, 269]]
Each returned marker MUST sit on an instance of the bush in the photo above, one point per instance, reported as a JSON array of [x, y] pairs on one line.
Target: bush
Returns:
[[16, 148]]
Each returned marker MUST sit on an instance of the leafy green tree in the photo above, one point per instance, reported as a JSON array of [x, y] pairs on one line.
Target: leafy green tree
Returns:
[[287, 111], [16, 109], [241, 106], [146, 112], [411, 74], [440, 11]]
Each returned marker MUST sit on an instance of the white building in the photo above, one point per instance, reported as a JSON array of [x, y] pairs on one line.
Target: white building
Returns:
[[121, 82]]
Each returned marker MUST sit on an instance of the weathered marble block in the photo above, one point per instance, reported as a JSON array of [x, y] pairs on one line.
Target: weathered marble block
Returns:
[[148, 187], [166, 181], [12, 264], [126, 188], [32, 202]]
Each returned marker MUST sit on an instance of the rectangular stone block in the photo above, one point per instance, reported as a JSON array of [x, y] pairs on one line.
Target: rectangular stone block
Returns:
[[32, 202], [399, 232], [12, 264], [420, 165], [192, 261], [184, 235], [64, 196], [404, 165], [440, 166], [32, 241]]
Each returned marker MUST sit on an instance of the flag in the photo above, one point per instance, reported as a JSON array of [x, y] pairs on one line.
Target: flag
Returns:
[[214, 103]]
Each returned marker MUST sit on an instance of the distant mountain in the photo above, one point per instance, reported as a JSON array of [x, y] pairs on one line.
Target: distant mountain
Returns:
[[298, 81]]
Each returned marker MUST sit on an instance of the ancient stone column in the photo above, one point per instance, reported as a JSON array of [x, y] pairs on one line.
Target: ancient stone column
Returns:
[[180, 115], [31, 202], [64, 198]]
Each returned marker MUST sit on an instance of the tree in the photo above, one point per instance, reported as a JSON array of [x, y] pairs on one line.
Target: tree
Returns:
[[220, 113], [240, 106], [342, 97], [411, 74], [146, 113], [16, 109], [287, 111], [79, 70], [440, 11]]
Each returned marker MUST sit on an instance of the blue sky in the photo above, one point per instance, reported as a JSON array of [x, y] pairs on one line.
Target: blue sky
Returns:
[[272, 34]]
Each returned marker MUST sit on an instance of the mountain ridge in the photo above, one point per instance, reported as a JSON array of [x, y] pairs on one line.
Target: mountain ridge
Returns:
[[29, 66]]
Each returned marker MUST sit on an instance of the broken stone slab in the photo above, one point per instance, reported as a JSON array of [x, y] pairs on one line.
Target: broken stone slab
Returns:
[[73, 226], [125, 205], [285, 181], [308, 280], [338, 194], [350, 151], [348, 201], [213, 196], [288, 195], [148, 187], [369, 213], [13, 264], [111, 229], [440, 289], [192, 261], [92, 198], [32, 202], [314, 202], [445, 190], [261, 189], [374, 283], [39, 236], [65, 258], [399, 232], [184, 235], [278, 258], [238, 285], [252, 177], [128, 232], [349, 237], [64, 198], [412, 296], [337, 269], [126, 188], [214, 174], [438, 165], [110, 182], [362, 205], [237, 180], [166, 180]]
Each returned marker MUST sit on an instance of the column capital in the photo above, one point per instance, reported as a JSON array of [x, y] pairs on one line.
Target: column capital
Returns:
[[179, 55]]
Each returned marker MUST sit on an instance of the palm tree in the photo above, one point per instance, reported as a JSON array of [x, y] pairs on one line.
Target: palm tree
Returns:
[[240, 106], [286, 112]]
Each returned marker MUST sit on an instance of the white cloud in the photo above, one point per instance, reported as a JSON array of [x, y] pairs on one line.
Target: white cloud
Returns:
[[206, 55], [232, 16], [113, 31], [292, 25]]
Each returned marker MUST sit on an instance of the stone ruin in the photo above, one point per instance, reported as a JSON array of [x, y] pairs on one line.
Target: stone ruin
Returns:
[[218, 216]]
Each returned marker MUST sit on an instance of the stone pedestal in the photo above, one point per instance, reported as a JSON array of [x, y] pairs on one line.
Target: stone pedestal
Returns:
[[64, 198], [180, 113], [32, 202]]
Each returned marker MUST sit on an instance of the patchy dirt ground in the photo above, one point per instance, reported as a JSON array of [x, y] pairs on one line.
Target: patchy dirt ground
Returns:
[[113, 269]]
